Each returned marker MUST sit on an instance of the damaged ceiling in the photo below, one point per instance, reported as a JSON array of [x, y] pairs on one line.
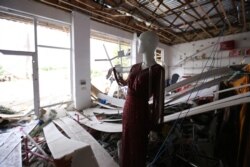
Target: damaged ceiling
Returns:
[[175, 21]]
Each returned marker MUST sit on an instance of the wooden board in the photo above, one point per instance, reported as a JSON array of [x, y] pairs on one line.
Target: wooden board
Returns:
[[76, 132], [91, 121], [75, 152], [230, 101]]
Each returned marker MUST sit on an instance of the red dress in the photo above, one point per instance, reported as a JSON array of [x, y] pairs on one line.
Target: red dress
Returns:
[[137, 118]]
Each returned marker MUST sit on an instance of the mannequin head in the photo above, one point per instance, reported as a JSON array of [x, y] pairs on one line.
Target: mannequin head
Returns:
[[148, 42]]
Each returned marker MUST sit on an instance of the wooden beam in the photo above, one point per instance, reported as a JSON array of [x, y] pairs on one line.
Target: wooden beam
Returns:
[[225, 15], [190, 24], [157, 7], [202, 28], [92, 12], [158, 25], [244, 15], [218, 12], [201, 18], [55, 5], [203, 11], [175, 19]]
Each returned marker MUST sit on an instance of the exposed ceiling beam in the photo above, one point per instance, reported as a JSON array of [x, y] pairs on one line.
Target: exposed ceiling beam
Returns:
[[191, 23], [201, 27], [203, 11], [218, 13], [185, 3], [158, 25], [174, 21], [244, 15], [55, 5], [92, 13], [225, 15]]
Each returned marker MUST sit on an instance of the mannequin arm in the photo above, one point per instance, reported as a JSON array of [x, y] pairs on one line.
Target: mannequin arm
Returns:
[[119, 79], [158, 101]]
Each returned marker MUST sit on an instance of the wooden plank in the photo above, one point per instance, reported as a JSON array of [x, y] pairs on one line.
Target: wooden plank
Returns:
[[230, 101], [243, 15], [76, 152], [76, 132], [90, 121], [225, 15]]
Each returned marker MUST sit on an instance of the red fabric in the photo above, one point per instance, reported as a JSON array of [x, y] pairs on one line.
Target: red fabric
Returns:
[[137, 118]]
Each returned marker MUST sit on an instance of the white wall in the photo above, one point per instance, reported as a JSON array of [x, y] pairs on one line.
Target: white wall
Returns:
[[81, 60], [205, 48], [110, 30], [166, 49]]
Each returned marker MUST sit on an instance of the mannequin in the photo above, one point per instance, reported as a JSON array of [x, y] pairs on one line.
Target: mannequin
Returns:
[[148, 42], [145, 80]]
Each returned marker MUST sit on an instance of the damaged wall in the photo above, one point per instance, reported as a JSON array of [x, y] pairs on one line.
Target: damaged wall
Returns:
[[190, 58]]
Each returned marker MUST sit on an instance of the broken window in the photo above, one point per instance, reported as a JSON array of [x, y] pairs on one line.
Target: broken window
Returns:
[[102, 48], [53, 41]]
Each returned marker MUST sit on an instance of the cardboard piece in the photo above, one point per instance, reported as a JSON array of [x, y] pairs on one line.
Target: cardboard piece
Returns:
[[71, 152], [77, 133]]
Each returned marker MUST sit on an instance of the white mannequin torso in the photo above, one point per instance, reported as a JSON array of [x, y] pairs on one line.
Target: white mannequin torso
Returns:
[[147, 60]]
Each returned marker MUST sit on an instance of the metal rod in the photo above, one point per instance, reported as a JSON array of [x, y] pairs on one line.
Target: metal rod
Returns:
[[33, 141]]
